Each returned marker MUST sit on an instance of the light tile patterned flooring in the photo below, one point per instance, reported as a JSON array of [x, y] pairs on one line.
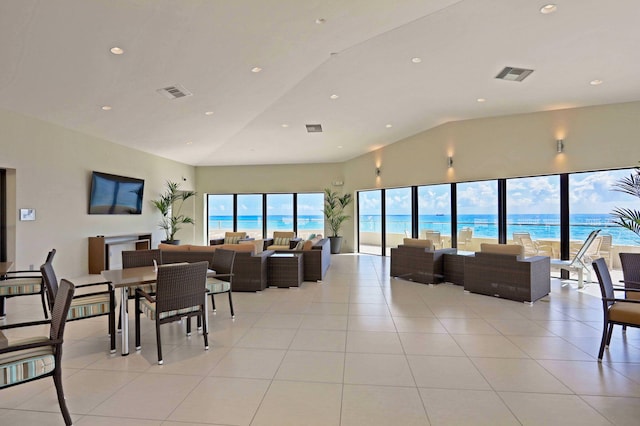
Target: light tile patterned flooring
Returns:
[[357, 349]]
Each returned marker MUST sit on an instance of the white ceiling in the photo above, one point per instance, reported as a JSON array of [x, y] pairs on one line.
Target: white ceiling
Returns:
[[56, 66]]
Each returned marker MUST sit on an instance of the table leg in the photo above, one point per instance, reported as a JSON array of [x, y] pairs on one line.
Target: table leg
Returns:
[[124, 315]]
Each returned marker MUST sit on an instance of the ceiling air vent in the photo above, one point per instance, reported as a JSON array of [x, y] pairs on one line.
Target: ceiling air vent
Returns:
[[314, 128], [514, 74], [174, 92]]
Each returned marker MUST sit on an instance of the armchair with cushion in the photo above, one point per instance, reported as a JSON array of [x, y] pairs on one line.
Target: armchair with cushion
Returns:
[[180, 292], [500, 270], [90, 301], [22, 283], [28, 359], [620, 311], [230, 238], [316, 257], [284, 240], [416, 260]]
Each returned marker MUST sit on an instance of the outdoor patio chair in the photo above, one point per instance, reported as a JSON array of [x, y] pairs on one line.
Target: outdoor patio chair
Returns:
[[180, 292], [23, 283], [435, 238], [28, 359], [464, 238], [87, 304], [580, 262], [531, 247], [625, 312]]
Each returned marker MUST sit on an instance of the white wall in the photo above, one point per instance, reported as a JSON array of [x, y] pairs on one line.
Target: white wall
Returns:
[[53, 168], [601, 137]]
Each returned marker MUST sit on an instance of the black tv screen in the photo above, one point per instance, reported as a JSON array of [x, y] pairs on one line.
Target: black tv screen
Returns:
[[112, 194]]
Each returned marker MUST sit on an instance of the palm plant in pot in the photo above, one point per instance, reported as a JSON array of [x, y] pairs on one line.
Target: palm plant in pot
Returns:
[[334, 205], [170, 205]]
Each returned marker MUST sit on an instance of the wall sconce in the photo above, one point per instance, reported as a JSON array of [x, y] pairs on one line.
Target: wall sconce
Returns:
[[560, 145], [378, 171], [449, 161]]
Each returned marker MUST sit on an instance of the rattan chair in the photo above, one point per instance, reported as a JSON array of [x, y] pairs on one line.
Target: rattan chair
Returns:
[[180, 292], [34, 358], [88, 304], [136, 259], [435, 238], [23, 283], [221, 282], [625, 312], [465, 236]]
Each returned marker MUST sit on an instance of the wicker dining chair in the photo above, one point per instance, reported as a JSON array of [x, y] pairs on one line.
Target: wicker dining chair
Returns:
[[136, 259], [28, 359], [87, 304], [620, 311], [180, 293], [23, 283], [221, 281]]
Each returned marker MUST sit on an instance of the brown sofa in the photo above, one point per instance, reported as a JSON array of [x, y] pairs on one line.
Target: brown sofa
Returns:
[[250, 269], [416, 260], [501, 270]]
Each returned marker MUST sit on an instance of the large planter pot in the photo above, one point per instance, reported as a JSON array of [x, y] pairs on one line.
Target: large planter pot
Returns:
[[174, 242], [336, 244]]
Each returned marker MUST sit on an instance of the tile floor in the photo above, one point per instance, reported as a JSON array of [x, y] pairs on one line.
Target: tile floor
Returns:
[[357, 349]]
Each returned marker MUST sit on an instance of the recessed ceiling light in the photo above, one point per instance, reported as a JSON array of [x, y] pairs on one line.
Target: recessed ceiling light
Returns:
[[548, 8], [339, 146], [208, 113], [320, 21], [596, 82], [481, 100], [256, 69], [388, 126], [106, 107], [285, 125], [189, 143], [416, 60], [334, 96], [116, 50]]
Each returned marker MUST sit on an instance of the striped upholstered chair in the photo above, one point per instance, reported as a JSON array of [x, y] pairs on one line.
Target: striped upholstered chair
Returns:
[[27, 359], [87, 304], [22, 283], [180, 293]]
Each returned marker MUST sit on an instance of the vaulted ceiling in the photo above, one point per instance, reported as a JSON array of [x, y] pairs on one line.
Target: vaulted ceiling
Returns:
[[370, 72]]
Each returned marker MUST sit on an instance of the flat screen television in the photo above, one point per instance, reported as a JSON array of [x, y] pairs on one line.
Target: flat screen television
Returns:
[[112, 194]]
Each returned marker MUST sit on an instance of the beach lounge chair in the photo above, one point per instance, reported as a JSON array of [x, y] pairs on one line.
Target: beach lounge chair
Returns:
[[580, 262]]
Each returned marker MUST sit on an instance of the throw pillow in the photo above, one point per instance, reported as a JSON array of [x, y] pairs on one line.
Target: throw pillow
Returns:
[[281, 241], [231, 240]]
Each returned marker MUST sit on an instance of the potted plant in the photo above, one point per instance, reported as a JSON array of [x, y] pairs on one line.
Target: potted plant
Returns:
[[334, 205], [170, 204]]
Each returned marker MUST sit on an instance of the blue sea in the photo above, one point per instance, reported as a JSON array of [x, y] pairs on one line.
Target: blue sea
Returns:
[[540, 226]]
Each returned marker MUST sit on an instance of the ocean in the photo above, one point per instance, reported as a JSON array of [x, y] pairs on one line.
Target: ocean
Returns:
[[540, 226]]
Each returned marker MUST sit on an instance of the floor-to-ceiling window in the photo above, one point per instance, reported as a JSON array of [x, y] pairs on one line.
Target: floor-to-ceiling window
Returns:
[[310, 217], [398, 207], [249, 214], [592, 198], [533, 214], [477, 206], [279, 213], [370, 222], [220, 215], [434, 214]]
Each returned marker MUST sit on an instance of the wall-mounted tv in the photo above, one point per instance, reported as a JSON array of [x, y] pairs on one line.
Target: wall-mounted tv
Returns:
[[112, 194]]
